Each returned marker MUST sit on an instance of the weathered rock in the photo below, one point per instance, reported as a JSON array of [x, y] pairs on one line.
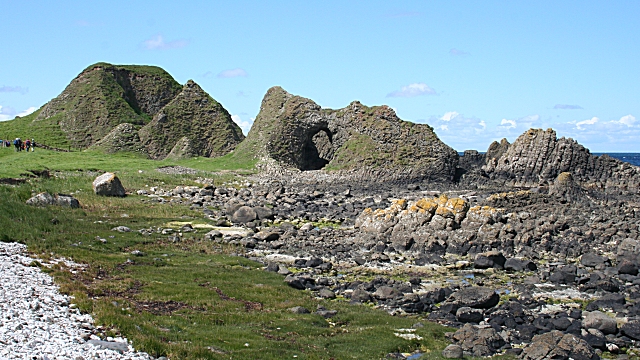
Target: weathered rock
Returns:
[[108, 184], [243, 215], [556, 345], [453, 351], [593, 260], [299, 310], [513, 264], [46, 199], [631, 329], [469, 315], [478, 341], [600, 321], [538, 155], [296, 132], [111, 345], [476, 297], [267, 235]]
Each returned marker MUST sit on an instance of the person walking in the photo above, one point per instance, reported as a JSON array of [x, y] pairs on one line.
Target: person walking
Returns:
[[33, 145], [27, 145]]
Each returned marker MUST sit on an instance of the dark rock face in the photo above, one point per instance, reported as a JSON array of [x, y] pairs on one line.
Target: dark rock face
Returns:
[[298, 133], [538, 156], [475, 297], [192, 124]]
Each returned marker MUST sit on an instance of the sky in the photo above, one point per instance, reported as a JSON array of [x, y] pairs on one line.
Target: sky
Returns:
[[476, 71]]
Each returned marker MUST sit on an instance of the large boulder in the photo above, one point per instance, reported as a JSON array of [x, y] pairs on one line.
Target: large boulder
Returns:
[[244, 214], [108, 184], [558, 346], [478, 341], [599, 321], [478, 297]]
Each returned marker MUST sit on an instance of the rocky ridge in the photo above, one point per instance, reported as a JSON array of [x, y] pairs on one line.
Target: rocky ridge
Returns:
[[295, 132]]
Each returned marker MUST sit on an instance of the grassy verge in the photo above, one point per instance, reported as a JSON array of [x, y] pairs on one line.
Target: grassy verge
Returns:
[[189, 299]]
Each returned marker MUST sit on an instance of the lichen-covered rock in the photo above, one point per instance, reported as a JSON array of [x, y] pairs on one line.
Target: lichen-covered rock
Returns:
[[108, 184], [378, 221], [191, 124], [297, 133]]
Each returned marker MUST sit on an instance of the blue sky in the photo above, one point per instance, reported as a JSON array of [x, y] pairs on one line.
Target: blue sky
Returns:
[[476, 71]]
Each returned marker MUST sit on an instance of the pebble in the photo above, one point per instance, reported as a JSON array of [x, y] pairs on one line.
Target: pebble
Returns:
[[36, 321]]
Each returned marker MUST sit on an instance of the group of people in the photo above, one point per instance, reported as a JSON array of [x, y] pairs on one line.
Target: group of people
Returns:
[[19, 144]]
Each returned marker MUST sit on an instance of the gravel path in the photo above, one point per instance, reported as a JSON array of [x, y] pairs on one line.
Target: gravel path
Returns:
[[36, 321]]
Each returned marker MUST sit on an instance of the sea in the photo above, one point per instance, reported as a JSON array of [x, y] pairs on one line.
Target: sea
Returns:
[[631, 158]]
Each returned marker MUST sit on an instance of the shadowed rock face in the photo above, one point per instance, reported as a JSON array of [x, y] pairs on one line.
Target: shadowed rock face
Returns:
[[298, 133], [539, 157], [194, 122]]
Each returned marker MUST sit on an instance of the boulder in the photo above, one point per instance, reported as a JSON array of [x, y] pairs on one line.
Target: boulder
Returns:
[[267, 235], [478, 341], [593, 260], [243, 215], [513, 264], [46, 199], [600, 321], [478, 297], [556, 345], [631, 329], [469, 315], [108, 184], [453, 351]]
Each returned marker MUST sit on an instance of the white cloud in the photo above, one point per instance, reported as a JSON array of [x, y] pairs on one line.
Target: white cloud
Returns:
[[483, 124], [509, 124], [8, 113], [444, 127], [158, 43], [449, 115], [27, 112], [412, 90], [231, 73], [591, 121], [628, 120], [244, 124]]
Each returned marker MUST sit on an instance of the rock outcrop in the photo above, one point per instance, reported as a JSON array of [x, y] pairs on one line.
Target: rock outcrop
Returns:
[[539, 157], [194, 119], [123, 137], [297, 133]]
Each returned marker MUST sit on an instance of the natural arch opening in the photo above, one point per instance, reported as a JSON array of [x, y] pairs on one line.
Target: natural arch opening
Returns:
[[317, 150]]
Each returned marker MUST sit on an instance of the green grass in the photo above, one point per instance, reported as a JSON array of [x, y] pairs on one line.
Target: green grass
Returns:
[[127, 165], [181, 281]]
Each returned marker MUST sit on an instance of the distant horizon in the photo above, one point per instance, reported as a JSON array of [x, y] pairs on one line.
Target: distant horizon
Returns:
[[475, 72]]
